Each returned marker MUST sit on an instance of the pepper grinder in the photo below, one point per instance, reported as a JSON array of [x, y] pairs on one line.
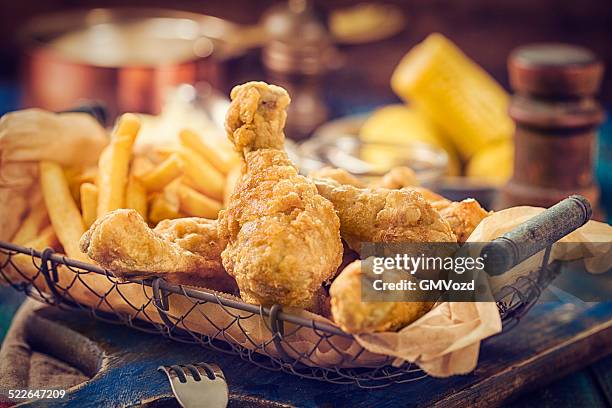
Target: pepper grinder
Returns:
[[556, 119]]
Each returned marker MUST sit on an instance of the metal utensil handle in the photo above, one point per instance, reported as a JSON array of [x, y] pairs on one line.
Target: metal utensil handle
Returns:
[[534, 235]]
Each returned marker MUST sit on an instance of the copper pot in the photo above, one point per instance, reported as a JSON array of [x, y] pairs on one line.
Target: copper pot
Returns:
[[125, 58]]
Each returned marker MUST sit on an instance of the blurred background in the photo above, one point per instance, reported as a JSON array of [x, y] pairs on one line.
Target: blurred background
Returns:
[[337, 59], [486, 31]]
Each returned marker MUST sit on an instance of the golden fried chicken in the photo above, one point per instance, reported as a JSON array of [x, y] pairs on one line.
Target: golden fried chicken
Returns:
[[338, 175], [197, 235], [383, 215], [429, 195], [396, 178], [463, 216], [283, 237], [356, 316], [200, 236], [183, 251]]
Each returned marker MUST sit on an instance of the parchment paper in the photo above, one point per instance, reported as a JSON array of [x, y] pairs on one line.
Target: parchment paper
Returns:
[[30, 135]]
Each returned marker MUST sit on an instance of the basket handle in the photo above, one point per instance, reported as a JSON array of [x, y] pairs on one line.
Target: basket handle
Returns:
[[534, 235]]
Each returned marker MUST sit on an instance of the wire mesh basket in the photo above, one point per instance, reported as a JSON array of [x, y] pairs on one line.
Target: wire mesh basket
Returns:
[[152, 305]]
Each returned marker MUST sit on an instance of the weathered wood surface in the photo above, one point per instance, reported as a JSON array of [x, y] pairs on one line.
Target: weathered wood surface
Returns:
[[553, 340]]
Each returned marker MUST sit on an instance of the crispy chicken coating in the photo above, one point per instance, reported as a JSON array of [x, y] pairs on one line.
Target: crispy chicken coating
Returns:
[[429, 195], [340, 176], [283, 237], [383, 215], [183, 251], [396, 178], [197, 235], [463, 217], [356, 316]]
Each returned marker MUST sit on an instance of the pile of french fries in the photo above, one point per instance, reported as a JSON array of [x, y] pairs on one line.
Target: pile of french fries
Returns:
[[188, 180]]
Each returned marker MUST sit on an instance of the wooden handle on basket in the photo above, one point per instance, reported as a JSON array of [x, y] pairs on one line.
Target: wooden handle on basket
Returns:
[[532, 236]]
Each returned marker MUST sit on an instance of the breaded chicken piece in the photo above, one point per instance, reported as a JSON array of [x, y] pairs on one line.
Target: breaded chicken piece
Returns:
[[338, 175], [122, 242], [383, 215], [430, 196], [396, 178], [463, 217], [200, 236], [283, 237], [197, 235], [356, 316]]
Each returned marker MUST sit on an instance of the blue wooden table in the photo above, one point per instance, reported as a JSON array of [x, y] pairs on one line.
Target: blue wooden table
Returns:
[[553, 340]]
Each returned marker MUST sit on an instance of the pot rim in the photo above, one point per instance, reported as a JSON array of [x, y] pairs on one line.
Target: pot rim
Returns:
[[36, 34]]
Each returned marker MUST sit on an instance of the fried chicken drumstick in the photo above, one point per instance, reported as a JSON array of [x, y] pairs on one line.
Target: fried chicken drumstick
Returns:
[[283, 237], [182, 251]]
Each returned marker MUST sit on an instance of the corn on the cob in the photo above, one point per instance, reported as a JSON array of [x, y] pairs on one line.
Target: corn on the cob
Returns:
[[456, 93], [401, 124]]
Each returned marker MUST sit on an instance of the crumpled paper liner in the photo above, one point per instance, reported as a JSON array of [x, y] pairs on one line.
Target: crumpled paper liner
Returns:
[[30, 135], [593, 244], [443, 342]]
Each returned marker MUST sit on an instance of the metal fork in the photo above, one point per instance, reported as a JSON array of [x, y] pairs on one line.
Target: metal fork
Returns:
[[197, 385]]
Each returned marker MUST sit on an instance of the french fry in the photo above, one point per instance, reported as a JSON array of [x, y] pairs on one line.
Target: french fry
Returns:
[[186, 180], [114, 165], [72, 175], [170, 193], [36, 219], [89, 175], [163, 174], [46, 238], [78, 176], [89, 203], [63, 212], [162, 209], [228, 147], [204, 176], [220, 158], [127, 125], [141, 165], [136, 197], [161, 153], [197, 204]]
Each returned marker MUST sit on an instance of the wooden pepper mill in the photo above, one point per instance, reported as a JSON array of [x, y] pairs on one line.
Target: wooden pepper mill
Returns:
[[556, 123]]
